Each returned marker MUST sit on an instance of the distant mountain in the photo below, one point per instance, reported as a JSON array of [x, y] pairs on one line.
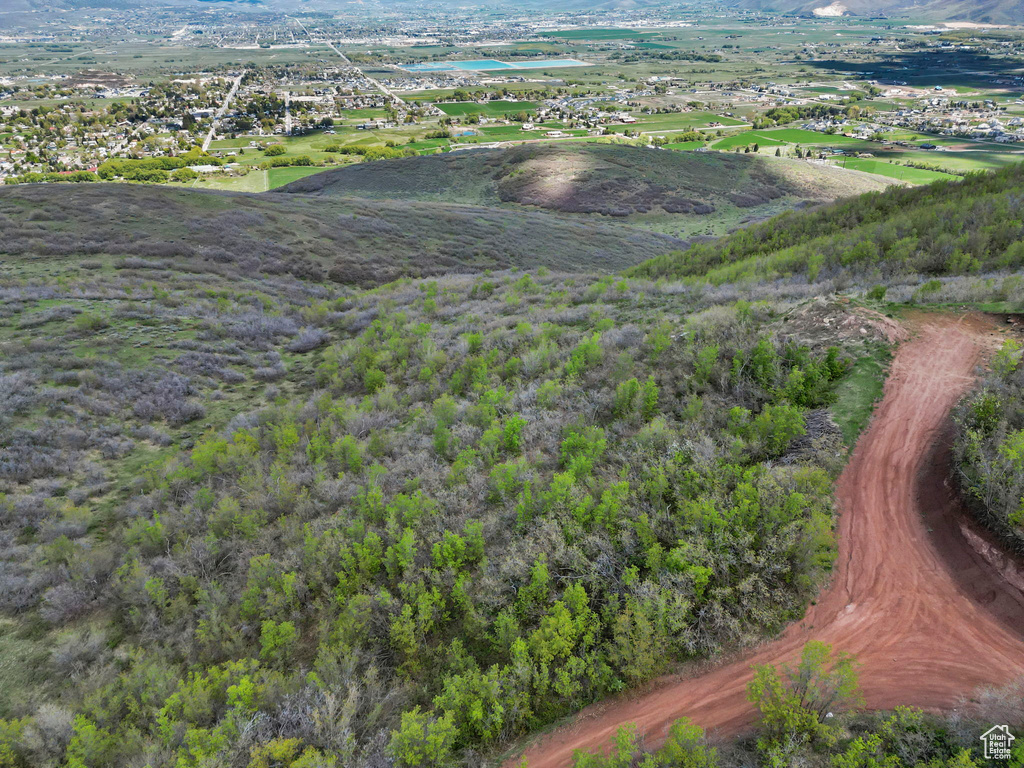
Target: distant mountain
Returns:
[[984, 12]]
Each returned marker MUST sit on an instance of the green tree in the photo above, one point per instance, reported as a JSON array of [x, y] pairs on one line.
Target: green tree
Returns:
[[796, 702], [277, 641], [423, 741]]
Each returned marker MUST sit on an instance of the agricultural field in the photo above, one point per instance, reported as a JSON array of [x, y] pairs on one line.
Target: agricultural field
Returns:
[[598, 33], [490, 109], [892, 170], [279, 177]]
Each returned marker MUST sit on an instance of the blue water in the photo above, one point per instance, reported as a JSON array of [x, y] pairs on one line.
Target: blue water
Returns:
[[490, 65], [482, 64], [428, 67]]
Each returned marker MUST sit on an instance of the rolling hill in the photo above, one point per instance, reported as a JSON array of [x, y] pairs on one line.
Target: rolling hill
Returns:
[[360, 242], [259, 509], [944, 229], [682, 193], [252, 517]]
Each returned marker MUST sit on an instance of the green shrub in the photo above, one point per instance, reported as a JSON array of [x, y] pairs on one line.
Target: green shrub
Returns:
[[88, 322]]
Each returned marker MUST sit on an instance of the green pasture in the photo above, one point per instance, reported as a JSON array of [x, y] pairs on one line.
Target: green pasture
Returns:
[[490, 108], [903, 173]]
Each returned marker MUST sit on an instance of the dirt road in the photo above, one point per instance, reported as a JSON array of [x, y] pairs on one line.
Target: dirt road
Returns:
[[924, 613]]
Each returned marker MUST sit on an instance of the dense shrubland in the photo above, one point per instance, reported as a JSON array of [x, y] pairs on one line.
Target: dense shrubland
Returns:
[[349, 242], [989, 446], [809, 716], [945, 228], [252, 517], [405, 525]]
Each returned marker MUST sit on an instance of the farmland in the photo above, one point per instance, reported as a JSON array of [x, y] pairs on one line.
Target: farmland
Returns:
[[494, 108], [656, 81]]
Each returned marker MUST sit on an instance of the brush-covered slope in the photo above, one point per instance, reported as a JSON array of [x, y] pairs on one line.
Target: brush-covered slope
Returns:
[[680, 192], [253, 519], [363, 242], [989, 447], [946, 228]]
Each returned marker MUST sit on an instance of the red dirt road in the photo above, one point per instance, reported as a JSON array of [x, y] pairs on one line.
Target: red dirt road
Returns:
[[926, 616]]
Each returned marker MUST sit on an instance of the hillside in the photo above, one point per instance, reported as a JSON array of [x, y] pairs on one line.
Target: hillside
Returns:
[[251, 516], [985, 12], [683, 193], [945, 229], [259, 509], [359, 242]]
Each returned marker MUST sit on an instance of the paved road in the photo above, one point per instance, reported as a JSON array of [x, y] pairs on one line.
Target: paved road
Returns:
[[222, 111], [377, 84]]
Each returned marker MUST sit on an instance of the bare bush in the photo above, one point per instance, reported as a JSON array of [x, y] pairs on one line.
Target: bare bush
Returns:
[[308, 340], [64, 603], [166, 398], [48, 733], [75, 653]]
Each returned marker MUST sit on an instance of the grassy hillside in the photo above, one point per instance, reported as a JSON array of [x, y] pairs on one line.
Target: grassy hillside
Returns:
[[248, 518], [346, 241], [944, 229], [254, 514], [683, 193]]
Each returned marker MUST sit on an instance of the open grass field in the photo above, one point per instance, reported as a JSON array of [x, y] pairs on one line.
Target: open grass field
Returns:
[[746, 139], [255, 180], [900, 172], [490, 108], [681, 121], [278, 177], [778, 137], [600, 33], [360, 115], [983, 158]]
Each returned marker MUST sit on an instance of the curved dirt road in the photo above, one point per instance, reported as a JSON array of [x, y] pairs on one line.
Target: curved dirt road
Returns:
[[926, 616]]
